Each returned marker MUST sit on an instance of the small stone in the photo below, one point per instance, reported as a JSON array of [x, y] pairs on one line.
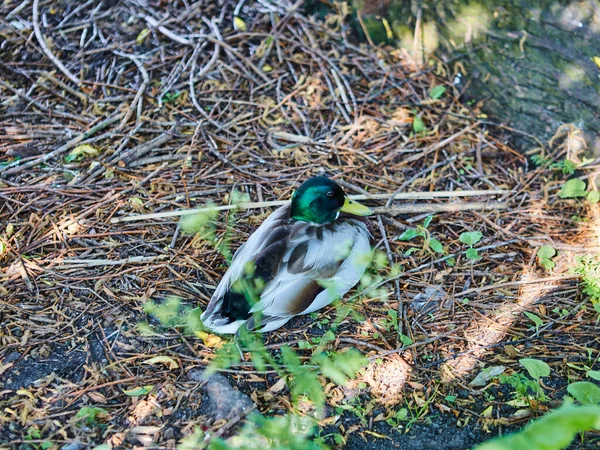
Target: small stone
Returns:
[[12, 357], [225, 401], [169, 434]]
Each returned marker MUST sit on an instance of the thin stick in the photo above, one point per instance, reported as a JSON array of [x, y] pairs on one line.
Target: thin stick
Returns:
[[37, 104], [140, 93], [249, 63], [444, 207], [168, 33], [79, 263], [48, 76], [40, 37], [493, 287], [254, 205], [364, 28]]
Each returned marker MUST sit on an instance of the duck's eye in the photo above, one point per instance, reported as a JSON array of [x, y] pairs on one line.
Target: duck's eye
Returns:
[[330, 194]]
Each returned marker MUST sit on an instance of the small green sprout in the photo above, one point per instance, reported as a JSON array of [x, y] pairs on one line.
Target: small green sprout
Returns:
[[528, 388], [422, 231], [418, 125], [566, 166], [471, 238], [535, 319], [545, 255]]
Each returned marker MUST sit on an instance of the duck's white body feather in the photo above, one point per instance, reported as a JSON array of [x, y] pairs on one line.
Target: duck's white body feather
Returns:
[[305, 267]]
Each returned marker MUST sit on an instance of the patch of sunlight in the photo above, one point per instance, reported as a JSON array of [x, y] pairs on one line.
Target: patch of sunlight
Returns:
[[69, 226], [595, 223], [571, 75], [596, 146], [574, 14], [573, 140], [594, 22], [427, 41], [386, 379], [472, 21], [489, 330]]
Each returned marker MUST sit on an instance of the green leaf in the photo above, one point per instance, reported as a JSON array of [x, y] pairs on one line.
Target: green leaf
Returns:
[[401, 414], [33, 433], [471, 237], [594, 374], [538, 322], [436, 246], [138, 391], [472, 253], [304, 345], [427, 221], [142, 36], [418, 125], [200, 222], [535, 367], [305, 382], [290, 358], [553, 431], [291, 432], [81, 150], [341, 366], [437, 92], [593, 196], [90, 414], [572, 189], [327, 337], [409, 234], [547, 264], [585, 393], [406, 340], [568, 167], [546, 251]]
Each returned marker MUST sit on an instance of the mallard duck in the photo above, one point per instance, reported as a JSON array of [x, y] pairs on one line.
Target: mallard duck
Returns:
[[304, 256]]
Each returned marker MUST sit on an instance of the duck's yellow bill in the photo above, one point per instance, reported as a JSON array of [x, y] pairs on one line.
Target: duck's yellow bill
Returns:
[[352, 207]]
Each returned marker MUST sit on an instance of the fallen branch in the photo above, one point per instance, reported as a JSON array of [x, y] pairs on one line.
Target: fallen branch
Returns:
[[80, 263], [394, 210], [422, 208]]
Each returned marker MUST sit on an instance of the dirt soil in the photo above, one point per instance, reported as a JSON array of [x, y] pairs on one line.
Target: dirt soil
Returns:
[[122, 112]]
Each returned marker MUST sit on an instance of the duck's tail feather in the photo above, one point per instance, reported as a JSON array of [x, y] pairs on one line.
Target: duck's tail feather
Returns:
[[219, 324]]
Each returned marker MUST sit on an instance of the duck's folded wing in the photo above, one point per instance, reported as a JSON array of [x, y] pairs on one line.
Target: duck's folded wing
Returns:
[[312, 274]]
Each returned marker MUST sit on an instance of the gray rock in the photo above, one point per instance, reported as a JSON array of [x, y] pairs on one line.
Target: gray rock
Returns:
[[224, 402], [12, 357]]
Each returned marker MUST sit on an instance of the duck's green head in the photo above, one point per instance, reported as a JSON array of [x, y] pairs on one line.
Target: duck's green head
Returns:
[[320, 200]]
